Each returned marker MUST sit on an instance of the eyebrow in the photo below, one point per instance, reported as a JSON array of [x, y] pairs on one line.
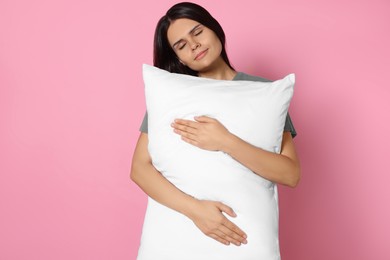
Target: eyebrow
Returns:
[[192, 30]]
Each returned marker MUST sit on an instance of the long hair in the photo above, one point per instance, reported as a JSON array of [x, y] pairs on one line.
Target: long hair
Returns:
[[164, 57]]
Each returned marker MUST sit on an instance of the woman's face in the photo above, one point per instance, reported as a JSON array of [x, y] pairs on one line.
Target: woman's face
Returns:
[[195, 45]]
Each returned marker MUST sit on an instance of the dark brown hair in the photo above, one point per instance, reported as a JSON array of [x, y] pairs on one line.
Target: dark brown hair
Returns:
[[164, 57]]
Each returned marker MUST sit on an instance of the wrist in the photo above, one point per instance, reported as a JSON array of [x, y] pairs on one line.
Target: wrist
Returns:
[[228, 143], [189, 206]]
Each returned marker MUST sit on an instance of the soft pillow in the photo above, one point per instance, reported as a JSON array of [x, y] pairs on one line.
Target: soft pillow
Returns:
[[255, 112]]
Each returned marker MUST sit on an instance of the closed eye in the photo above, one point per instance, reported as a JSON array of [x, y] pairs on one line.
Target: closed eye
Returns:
[[181, 45], [198, 32]]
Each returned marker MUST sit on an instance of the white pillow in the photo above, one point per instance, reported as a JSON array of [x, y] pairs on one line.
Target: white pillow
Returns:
[[254, 111]]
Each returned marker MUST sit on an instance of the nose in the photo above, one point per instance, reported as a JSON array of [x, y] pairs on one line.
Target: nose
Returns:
[[195, 45]]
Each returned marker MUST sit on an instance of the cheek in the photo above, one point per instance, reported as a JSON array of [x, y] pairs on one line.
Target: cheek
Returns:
[[184, 56], [218, 45], [214, 41]]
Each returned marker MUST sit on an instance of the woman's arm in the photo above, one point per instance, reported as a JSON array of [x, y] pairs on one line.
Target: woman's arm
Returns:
[[207, 133], [281, 168], [207, 215]]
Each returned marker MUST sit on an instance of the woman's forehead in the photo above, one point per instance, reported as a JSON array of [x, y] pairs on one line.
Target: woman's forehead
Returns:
[[180, 28]]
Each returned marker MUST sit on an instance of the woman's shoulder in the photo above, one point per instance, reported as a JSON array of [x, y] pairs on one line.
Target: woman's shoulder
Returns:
[[244, 76]]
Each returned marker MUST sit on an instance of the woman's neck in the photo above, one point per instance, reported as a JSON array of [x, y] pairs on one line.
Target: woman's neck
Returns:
[[219, 71]]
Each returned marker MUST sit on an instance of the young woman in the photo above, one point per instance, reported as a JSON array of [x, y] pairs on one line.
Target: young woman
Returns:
[[189, 40]]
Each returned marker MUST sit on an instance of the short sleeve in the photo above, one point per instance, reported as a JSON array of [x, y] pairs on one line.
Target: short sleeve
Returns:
[[144, 126], [289, 127]]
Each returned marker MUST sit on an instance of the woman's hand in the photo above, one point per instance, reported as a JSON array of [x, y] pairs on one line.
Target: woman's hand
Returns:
[[207, 216], [206, 132]]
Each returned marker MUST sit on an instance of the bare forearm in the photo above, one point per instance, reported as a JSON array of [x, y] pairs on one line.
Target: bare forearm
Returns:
[[206, 215], [271, 166], [160, 189]]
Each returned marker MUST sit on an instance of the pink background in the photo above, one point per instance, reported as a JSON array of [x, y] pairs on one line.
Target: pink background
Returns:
[[71, 102]]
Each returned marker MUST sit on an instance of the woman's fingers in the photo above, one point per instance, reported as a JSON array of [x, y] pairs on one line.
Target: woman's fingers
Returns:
[[230, 225], [229, 235], [219, 239], [204, 119], [186, 135], [233, 232], [208, 217], [223, 234], [228, 210], [185, 130], [185, 123], [206, 133]]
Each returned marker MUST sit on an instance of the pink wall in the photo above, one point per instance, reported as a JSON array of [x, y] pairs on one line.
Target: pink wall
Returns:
[[71, 101]]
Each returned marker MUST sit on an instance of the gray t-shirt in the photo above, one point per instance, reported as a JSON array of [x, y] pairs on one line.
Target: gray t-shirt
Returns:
[[288, 127]]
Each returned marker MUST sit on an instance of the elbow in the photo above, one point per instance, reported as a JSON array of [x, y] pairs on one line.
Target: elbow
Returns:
[[294, 178], [294, 182], [139, 170], [134, 172]]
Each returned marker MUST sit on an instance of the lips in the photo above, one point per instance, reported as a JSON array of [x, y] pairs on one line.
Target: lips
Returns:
[[200, 55]]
